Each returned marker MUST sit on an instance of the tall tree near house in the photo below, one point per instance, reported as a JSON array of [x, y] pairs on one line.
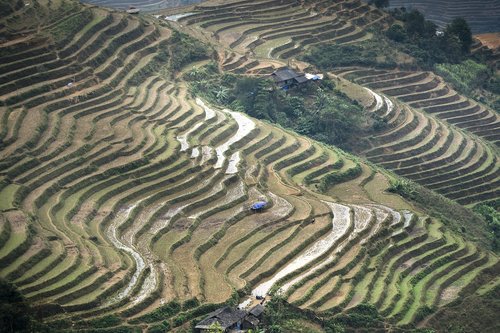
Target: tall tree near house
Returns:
[[460, 28], [380, 3], [14, 311]]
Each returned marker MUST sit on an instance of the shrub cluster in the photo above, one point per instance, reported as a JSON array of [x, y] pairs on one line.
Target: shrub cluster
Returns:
[[422, 40], [315, 109]]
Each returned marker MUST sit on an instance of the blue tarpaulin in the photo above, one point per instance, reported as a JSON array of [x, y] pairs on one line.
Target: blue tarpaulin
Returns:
[[259, 205]]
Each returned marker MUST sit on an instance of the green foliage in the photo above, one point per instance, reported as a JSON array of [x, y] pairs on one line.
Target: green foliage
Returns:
[[465, 76], [416, 25], [199, 311], [492, 217], [165, 311], [16, 314], [71, 26], [397, 33], [156, 66], [455, 216], [365, 309], [190, 303], [423, 312], [421, 39], [14, 311], [403, 187], [371, 53], [160, 328], [332, 326], [119, 329], [380, 3], [315, 109], [493, 85], [337, 178], [275, 312], [279, 316], [362, 316], [185, 50], [459, 27], [215, 328], [469, 315], [8, 7], [106, 321]]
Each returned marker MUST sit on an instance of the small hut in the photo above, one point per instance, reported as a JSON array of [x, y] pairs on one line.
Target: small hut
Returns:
[[258, 206], [287, 77], [133, 10], [231, 319]]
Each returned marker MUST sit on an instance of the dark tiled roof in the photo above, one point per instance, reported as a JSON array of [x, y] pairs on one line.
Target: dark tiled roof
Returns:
[[226, 317], [252, 320], [256, 310], [284, 74], [301, 79]]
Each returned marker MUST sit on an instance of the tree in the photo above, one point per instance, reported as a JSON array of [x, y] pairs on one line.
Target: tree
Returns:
[[196, 73], [221, 94], [459, 27], [415, 23], [14, 311], [263, 106], [380, 3], [453, 48], [332, 326], [397, 33], [320, 100]]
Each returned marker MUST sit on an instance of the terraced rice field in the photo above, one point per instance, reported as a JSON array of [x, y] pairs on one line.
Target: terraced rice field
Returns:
[[257, 31], [481, 15], [435, 136], [433, 130], [144, 5], [130, 197]]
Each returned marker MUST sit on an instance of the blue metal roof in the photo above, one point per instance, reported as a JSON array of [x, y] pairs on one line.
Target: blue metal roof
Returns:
[[259, 205]]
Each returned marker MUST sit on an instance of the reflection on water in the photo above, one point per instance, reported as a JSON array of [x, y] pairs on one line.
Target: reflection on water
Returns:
[[145, 5]]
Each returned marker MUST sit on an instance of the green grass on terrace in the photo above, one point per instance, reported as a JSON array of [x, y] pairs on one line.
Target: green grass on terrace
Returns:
[[7, 196]]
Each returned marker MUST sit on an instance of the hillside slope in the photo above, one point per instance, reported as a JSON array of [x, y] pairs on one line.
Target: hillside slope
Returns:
[[259, 41], [483, 16]]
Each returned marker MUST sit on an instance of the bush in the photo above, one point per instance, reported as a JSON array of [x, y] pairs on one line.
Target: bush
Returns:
[[397, 33], [380, 3], [165, 311], [371, 53], [422, 40], [404, 187], [364, 315], [161, 328], [190, 303], [492, 217], [459, 27], [16, 315], [71, 26], [454, 215], [315, 109], [423, 312], [465, 76], [185, 50], [106, 321]]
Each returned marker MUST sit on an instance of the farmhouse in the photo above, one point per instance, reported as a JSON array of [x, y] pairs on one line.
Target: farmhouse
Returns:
[[286, 77], [231, 320], [133, 10]]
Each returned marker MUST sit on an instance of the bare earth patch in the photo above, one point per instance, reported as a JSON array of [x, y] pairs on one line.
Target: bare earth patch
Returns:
[[491, 40]]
